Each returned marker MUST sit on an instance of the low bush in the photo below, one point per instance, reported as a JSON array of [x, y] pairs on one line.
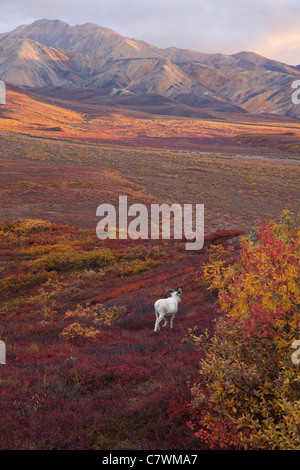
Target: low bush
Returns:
[[72, 260], [27, 226], [20, 282], [75, 333], [137, 266], [97, 314]]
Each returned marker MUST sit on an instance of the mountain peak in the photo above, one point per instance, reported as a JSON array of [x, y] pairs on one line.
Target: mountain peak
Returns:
[[45, 21], [87, 38], [39, 25]]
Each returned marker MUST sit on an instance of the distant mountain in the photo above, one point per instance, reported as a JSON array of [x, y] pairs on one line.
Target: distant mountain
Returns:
[[88, 38], [27, 63], [50, 53]]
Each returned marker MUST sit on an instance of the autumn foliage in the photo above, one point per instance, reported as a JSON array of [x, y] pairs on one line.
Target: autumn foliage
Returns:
[[84, 369], [247, 395]]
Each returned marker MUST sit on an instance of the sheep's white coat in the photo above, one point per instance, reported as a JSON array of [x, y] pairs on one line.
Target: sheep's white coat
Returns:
[[165, 308]]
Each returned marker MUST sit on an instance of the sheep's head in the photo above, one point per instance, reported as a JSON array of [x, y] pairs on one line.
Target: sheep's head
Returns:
[[179, 292], [169, 292], [172, 292]]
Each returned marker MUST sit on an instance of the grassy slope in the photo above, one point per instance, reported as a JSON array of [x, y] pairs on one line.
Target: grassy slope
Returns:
[[127, 387], [65, 182]]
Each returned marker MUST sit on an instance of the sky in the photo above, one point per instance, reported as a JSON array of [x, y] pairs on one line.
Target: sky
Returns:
[[267, 27]]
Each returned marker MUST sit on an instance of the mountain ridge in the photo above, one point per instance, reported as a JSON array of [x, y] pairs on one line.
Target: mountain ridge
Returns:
[[51, 53]]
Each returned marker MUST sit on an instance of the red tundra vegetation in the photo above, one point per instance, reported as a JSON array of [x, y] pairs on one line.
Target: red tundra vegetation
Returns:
[[85, 370]]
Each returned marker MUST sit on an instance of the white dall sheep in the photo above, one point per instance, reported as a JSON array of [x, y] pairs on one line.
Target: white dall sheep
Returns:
[[168, 307]]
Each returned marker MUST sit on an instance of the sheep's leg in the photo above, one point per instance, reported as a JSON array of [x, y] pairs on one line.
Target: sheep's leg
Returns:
[[156, 318], [157, 327], [166, 322], [171, 321]]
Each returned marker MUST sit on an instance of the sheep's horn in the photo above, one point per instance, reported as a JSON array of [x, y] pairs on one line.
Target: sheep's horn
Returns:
[[169, 290]]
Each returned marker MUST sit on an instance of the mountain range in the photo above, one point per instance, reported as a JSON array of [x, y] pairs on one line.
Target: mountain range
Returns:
[[52, 58]]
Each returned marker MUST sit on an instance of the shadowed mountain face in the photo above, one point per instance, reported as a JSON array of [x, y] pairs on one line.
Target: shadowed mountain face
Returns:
[[50, 53]]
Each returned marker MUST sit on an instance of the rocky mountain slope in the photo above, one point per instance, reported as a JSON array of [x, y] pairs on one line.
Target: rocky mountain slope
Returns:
[[50, 53]]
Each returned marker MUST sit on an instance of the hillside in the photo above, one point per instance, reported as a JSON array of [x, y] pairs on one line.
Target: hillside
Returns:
[[84, 369], [50, 53]]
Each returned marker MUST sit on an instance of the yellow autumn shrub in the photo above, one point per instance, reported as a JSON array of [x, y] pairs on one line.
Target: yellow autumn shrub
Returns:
[[96, 314], [247, 395], [75, 333], [71, 260]]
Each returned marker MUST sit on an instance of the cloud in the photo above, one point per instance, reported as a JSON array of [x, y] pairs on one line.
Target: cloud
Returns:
[[269, 27]]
